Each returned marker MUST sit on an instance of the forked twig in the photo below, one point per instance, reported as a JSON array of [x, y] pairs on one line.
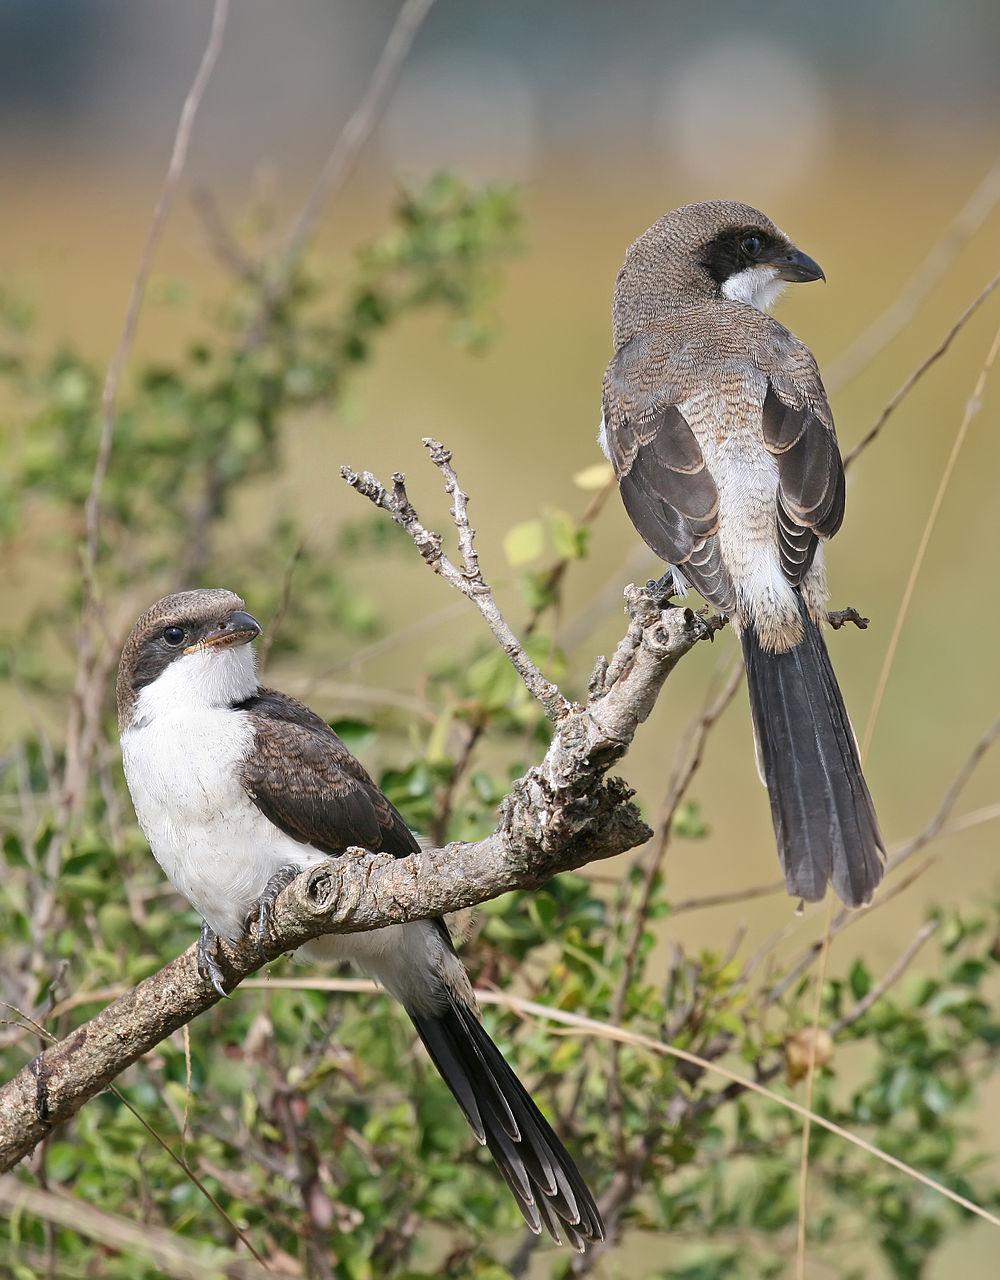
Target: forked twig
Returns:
[[469, 578]]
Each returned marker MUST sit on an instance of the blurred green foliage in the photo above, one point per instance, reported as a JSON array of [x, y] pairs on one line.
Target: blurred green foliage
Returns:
[[312, 1118]]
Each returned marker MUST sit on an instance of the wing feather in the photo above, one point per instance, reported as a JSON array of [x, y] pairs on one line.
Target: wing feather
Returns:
[[811, 488], [666, 487], [304, 779]]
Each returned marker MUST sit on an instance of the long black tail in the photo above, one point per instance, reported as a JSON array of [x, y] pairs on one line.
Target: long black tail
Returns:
[[536, 1166], [824, 819]]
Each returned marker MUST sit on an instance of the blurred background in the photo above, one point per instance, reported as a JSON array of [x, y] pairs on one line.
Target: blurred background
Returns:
[[863, 130]]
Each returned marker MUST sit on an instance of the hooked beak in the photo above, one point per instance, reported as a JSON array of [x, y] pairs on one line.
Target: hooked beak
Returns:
[[795, 266], [237, 628]]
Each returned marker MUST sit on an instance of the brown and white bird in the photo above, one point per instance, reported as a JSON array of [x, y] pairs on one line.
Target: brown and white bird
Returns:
[[238, 788], [718, 426]]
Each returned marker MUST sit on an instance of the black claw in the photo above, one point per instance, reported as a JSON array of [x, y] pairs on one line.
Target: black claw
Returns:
[[262, 925], [208, 966], [662, 590], [701, 624]]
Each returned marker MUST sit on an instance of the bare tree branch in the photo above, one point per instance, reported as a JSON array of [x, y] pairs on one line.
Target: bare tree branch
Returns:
[[468, 579], [558, 816]]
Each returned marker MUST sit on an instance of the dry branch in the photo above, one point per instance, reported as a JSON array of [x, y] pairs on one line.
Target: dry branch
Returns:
[[559, 815], [469, 578]]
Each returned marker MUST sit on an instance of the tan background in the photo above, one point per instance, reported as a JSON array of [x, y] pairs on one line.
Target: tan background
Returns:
[[864, 162]]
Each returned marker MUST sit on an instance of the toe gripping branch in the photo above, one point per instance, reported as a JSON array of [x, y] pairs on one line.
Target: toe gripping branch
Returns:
[[261, 922], [208, 963], [259, 927], [662, 590]]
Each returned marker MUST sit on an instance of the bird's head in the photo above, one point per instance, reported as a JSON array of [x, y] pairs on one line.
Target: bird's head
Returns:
[[192, 647], [712, 250]]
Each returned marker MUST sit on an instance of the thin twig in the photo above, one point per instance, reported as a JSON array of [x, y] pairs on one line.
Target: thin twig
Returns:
[[92, 665], [727, 899], [693, 753], [691, 757], [178, 159], [973, 405], [468, 579], [873, 340], [270, 634], [888, 979], [343, 157], [556, 572], [438, 830], [224, 244], [876, 429]]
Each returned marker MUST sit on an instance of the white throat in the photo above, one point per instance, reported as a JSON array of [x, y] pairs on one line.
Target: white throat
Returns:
[[209, 678], [759, 287]]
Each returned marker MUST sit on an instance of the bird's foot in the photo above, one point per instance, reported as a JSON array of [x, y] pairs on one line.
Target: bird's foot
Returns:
[[704, 625], [662, 590], [261, 927], [208, 965]]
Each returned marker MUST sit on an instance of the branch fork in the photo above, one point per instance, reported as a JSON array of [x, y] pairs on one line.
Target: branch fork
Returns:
[[561, 814]]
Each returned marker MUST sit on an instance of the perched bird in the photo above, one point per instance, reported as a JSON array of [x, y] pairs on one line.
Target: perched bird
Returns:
[[717, 424], [238, 788]]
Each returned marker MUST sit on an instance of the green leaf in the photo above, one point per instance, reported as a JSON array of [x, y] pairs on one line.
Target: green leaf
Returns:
[[358, 735], [523, 543]]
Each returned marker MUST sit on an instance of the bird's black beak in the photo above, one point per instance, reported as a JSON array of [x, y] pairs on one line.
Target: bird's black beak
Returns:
[[795, 266], [236, 628]]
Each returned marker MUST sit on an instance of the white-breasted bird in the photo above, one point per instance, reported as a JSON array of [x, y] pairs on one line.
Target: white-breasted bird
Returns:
[[238, 788]]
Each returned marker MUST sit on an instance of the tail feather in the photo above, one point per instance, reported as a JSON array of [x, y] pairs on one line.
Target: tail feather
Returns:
[[545, 1182], [824, 819]]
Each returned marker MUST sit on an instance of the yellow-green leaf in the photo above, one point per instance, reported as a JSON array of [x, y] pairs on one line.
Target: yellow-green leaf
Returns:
[[594, 477], [524, 542]]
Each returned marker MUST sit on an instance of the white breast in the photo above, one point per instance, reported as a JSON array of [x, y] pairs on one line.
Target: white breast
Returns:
[[216, 847], [183, 765]]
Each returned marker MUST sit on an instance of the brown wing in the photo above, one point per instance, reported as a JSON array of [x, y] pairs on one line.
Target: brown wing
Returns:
[[666, 487], [303, 778], [810, 478]]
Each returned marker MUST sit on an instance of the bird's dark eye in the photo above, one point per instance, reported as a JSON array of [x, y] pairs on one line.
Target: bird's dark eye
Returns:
[[174, 636], [751, 245]]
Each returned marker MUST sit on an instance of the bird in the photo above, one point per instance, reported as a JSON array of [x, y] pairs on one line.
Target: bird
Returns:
[[238, 788], [719, 430]]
